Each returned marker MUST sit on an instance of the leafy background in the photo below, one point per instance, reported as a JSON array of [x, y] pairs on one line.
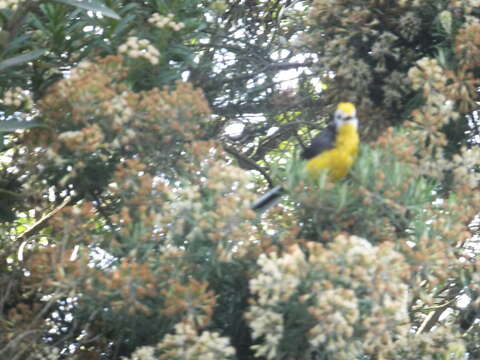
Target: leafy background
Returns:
[[134, 136]]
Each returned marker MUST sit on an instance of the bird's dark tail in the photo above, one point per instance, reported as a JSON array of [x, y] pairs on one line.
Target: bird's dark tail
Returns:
[[269, 199]]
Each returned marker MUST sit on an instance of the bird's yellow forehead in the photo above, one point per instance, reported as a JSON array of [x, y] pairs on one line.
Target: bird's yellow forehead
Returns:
[[346, 108]]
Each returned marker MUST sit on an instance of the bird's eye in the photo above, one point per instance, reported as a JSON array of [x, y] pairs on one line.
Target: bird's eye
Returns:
[[347, 118]]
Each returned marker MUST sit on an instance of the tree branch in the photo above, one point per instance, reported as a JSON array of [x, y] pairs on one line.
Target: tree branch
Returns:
[[40, 224], [248, 164], [433, 317]]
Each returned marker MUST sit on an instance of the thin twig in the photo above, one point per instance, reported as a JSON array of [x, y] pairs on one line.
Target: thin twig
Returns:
[[40, 224], [433, 317], [249, 164]]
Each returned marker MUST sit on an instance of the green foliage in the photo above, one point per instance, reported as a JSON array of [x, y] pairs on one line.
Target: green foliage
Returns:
[[380, 188], [21, 59], [92, 5]]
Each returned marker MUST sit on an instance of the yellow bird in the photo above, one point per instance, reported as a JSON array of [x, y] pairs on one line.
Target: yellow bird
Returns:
[[333, 150]]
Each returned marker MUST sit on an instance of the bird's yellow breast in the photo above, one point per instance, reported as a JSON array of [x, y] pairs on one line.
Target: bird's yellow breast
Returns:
[[338, 160]]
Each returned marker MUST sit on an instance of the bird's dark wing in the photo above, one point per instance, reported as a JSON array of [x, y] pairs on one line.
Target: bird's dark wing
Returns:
[[323, 141]]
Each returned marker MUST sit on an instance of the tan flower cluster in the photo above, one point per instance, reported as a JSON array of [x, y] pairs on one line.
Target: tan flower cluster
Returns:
[[84, 66], [359, 48], [356, 72], [143, 353], [132, 282], [214, 208], [140, 48], [333, 284], [187, 344], [76, 221], [447, 95], [120, 108], [141, 198], [383, 48], [184, 110], [160, 22], [438, 249], [17, 97], [410, 25], [92, 114], [396, 84], [368, 273], [57, 267], [337, 311], [467, 46], [193, 301], [86, 140], [89, 115], [276, 282], [279, 277], [431, 79], [269, 325], [428, 75], [222, 224], [465, 165]]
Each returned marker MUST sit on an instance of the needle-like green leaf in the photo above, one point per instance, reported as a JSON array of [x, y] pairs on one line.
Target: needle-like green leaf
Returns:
[[92, 5]]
